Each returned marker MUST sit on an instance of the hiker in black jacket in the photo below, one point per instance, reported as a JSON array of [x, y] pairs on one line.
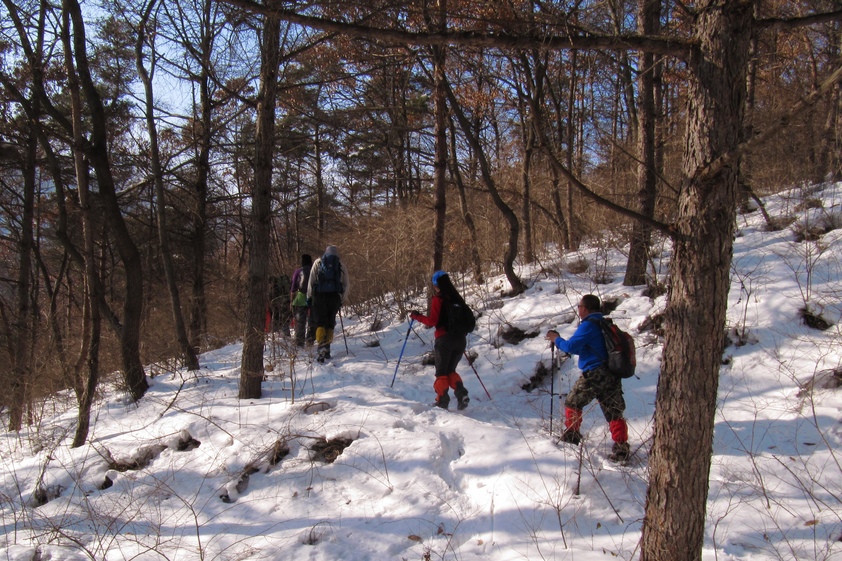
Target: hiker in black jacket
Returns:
[[449, 347]]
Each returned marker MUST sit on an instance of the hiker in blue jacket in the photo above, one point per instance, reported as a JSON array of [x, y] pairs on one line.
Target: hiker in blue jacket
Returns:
[[596, 382]]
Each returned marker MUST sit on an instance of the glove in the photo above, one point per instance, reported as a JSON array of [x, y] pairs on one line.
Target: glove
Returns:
[[413, 314]]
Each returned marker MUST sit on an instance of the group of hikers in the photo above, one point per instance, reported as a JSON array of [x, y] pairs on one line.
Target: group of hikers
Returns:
[[312, 298], [319, 288]]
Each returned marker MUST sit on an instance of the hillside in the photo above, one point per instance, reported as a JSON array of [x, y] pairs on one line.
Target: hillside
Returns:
[[347, 467]]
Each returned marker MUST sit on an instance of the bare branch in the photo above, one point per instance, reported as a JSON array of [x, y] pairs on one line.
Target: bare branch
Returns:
[[803, 21], [667, 47], [724, 160]]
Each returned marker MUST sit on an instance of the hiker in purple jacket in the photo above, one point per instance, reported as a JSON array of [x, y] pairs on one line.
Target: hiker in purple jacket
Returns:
[[304, 328]]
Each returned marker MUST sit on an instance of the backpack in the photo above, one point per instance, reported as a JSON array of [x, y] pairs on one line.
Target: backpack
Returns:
[[460, 318], [620, 346], [303, 280], [330, 274], [300, 298]]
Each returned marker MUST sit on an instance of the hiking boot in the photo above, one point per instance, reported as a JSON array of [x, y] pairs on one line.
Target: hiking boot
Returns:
[[573, 437], [443, 401], [323, 355], [462, 398], [620, 453]]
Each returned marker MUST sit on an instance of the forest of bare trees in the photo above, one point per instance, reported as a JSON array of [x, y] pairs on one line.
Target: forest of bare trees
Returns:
[[160, 160]]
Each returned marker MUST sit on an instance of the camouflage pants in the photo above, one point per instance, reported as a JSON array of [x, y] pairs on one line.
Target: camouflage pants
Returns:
[[602, 385]]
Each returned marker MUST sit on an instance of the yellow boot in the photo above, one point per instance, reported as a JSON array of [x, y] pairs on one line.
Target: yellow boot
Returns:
[[324, 337]]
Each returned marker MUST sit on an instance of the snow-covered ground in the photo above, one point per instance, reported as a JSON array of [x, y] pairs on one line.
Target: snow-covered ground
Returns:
[[252, 479]]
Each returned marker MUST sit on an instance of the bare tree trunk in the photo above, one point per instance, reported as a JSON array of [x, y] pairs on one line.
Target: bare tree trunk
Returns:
[[321, 196], [661, 122], [251, 371], [509, 215], [440, 134], [476, 262], [23, 322], [96, 150], [625, 81], [88, 361], [187, 350], [21, 329], [198, 299], [828, 157], [649, 15], [440, 160], [680, 459], [526, 208], [559, 211], [198, 302], [746, 178], [746, 171], [573, 235], [549, 146], [52, 291]]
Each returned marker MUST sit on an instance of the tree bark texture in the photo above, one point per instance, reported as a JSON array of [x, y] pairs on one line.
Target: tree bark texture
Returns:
[[685, 405], [251, 371]]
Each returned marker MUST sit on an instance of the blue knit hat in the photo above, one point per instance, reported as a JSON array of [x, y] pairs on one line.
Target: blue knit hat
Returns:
[[436, 276]]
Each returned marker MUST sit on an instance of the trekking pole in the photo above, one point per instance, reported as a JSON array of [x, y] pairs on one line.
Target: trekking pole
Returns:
[[552, 385], [344, 338], [408, 331], [471, 364]]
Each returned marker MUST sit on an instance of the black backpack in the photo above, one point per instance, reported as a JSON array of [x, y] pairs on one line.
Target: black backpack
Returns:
[[620, 346], [460, 319], [330, 275]]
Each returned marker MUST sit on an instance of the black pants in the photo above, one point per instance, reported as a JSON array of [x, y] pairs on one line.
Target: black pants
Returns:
[[448, 351], [304, 328], [325, 307]]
